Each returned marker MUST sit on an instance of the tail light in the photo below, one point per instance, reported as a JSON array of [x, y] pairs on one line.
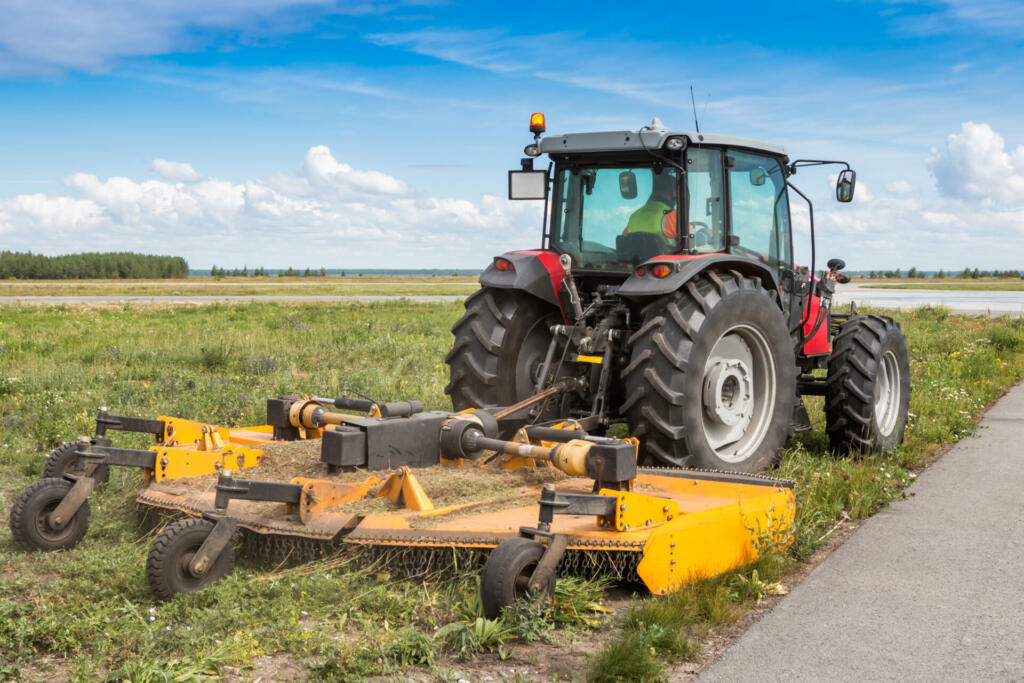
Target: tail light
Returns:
[[641, 271], [661, 270], [504, 265]]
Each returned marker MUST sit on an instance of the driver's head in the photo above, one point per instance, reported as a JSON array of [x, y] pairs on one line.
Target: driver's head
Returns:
[[664, 188]]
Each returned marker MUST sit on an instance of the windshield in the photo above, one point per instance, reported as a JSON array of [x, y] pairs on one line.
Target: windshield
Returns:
[[614, 217]]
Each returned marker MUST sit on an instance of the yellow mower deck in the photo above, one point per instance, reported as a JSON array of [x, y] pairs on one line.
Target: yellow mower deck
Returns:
[[678, 524]]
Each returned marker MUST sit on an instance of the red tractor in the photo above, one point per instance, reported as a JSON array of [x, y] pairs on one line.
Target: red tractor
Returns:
[[665, 296]]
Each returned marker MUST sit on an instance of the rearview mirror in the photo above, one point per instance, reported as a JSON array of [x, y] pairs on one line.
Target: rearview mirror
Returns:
[[527, 184], [627, 185], [845, 184], [758, 176]]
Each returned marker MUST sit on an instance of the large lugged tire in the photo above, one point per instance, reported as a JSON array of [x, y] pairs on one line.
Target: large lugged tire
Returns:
[[172, 550], [30, 517], [507, 573], [867, 394], [712, 376], [500, 343]]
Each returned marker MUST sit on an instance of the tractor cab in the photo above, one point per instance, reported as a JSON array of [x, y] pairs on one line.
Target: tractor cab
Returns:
[[618, 199]]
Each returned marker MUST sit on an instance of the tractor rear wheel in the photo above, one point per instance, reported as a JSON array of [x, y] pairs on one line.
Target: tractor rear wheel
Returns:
[[867, 393], [712, 376], [167, 566], [500, 344], [30, 517], [507, 573]]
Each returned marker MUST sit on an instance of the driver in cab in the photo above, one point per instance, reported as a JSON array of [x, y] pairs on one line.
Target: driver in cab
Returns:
[[658, 215]]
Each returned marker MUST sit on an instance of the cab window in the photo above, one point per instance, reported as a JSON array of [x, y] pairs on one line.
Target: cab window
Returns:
[[704, 191], [759, 209]]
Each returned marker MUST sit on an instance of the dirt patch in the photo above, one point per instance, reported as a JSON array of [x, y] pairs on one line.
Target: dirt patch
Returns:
[[276, 667]]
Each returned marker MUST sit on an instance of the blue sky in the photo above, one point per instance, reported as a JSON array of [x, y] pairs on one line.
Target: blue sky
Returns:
[[351, 134]]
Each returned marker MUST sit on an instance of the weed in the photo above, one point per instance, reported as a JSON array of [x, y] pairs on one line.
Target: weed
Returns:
[[465, 639]]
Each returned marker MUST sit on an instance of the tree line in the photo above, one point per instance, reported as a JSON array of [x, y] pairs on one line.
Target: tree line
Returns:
[[260, 272], [965, 274], [108, 265]]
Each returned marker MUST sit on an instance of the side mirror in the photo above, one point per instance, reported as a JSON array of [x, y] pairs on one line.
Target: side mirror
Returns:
[[844, 186], [627, 185], [527, 184], [758, 176]]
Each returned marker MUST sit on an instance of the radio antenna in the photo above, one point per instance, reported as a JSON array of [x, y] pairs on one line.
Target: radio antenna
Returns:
[[694, 103]]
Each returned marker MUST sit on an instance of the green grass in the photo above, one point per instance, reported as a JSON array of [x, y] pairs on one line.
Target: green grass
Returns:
[[91, 605], [964, 286]]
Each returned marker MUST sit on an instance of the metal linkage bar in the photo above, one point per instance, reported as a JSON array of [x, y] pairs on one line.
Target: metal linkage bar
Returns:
[[123, 423], [229, 488], [554, 503]]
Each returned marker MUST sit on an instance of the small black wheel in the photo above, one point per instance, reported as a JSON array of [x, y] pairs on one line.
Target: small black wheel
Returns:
[[507, 573], [62, 460], [171, 552], [30, 515], [867, 394]]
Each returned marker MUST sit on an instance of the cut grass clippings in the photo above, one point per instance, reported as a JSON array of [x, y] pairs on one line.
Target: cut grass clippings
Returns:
[[90, 607]]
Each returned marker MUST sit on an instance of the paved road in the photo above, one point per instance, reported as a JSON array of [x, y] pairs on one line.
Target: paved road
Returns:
[[930, 589], [970, 302], [216, 299]]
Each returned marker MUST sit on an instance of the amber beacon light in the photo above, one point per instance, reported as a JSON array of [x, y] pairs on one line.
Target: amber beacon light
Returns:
[[537, 123]]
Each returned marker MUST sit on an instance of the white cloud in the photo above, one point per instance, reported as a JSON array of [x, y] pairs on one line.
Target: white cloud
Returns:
[[900, 187], [976, 165], [175, 170], [328, 213], [93, 35]]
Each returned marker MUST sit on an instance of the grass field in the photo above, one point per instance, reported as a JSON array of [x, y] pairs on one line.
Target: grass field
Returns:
[[87, 613], [252, 286]]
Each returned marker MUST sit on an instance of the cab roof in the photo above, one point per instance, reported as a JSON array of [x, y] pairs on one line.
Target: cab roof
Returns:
[[649, 138]]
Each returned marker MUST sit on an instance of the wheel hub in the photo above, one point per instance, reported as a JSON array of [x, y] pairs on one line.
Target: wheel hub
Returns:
[[727, 392], [738, 393]]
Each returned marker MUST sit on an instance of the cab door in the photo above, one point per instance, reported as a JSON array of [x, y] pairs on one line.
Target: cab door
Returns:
[[759, 226]]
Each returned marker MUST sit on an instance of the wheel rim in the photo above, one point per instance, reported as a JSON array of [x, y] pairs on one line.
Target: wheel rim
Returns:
[[189, 580], [46, 531], [738, 394], [521, 586], [531, 359], [887, 394]]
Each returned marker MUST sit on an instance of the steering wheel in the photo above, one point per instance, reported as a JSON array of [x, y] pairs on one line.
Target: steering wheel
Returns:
[[702, 236]]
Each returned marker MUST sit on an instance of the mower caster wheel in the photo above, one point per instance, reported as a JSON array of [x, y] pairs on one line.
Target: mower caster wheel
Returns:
[[507, 573], [62, 460], [30, 517], [167, 567]]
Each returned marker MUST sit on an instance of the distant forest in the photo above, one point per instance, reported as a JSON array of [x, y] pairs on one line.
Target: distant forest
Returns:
[[112, 265], [965, 274]]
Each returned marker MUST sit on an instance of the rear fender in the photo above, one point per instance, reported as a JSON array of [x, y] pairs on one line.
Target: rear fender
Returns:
[[534, 271], [685, 267]]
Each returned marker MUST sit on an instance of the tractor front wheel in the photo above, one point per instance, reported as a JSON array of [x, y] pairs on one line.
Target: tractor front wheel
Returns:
[[712, 376], [30, 517], [506, 576], [867, 393], [167, 567], [499, 348]]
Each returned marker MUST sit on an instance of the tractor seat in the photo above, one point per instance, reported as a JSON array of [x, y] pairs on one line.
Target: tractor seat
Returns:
[[639, 246]]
